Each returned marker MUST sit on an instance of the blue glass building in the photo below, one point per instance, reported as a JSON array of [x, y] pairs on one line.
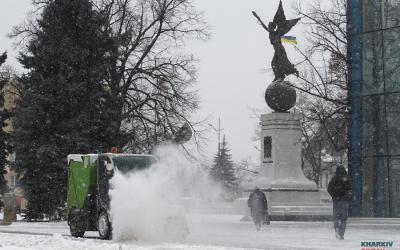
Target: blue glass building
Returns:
[[374, 157]]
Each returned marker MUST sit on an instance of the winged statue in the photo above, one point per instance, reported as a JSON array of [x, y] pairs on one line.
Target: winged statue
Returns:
[[281, 66]]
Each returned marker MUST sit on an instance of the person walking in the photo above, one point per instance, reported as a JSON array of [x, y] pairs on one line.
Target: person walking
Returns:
[[340, 189], [258, 205]]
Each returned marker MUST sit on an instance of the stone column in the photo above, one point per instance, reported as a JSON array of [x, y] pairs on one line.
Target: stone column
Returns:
[[281, 160], [283, 132]]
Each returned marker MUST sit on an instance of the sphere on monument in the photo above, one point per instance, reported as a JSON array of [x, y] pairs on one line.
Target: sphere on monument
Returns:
[[280, 96]]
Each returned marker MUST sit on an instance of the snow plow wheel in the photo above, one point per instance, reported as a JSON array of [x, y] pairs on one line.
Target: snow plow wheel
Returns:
[[104, 226], [76, 231], [76, 223]]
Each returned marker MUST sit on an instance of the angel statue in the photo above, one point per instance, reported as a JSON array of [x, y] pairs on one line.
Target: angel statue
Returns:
[[281, 65]]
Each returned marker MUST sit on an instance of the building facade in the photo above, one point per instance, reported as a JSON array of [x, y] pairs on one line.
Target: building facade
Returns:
[[374, 52], [10, 95]]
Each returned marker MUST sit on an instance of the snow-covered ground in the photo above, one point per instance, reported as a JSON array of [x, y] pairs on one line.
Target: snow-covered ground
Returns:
[[19, 217], [211, 232]]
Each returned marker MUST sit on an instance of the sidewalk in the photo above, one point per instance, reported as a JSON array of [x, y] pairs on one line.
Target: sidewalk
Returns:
[[227, 231], [375, 223]]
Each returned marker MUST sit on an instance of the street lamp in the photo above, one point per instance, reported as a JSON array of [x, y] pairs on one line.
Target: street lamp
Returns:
[[219, 133]]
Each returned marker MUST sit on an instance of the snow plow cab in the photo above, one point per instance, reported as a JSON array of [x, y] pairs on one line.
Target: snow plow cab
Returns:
[[88, 201]]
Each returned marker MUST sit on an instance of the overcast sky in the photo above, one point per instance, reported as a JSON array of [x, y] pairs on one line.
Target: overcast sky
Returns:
[[232, 65]]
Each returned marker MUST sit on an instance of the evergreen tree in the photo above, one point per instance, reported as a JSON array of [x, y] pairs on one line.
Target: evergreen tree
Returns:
[[223, 168], [150, 74], [5, 146], [63, 105]]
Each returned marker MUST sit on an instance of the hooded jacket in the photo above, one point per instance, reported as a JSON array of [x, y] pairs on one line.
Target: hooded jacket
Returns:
[[340, 185]]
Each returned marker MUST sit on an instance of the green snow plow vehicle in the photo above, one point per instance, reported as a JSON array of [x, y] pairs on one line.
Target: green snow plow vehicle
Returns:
[[88, 201]]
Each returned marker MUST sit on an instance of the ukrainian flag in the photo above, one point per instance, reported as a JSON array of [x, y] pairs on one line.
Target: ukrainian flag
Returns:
[[289, 39]]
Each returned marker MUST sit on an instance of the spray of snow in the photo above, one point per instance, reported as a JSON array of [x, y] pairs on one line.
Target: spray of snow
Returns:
[[148, 205]]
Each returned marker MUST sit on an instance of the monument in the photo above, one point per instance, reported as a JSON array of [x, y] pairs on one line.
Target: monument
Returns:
[[281, 131], [291, 194]]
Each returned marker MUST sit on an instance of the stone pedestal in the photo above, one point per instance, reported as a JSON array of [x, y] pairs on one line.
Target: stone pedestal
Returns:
[[291, 196], [281, 152]]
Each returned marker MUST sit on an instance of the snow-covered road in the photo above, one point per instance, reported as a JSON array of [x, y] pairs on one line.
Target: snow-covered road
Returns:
[[211, 232]]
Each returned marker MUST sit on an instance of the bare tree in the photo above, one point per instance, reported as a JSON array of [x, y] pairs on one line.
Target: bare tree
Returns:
[[150, 78], [323, 82], [319, 140]]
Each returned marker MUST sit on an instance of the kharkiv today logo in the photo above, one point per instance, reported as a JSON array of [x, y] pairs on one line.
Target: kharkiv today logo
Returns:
[[376, 245]]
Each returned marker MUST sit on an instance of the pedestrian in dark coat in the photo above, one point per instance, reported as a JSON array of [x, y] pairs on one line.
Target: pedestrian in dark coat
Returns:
[[258, 208], [340, 189]]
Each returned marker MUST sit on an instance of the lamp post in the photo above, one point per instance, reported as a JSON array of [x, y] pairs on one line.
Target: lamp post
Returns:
[[219, 133]]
